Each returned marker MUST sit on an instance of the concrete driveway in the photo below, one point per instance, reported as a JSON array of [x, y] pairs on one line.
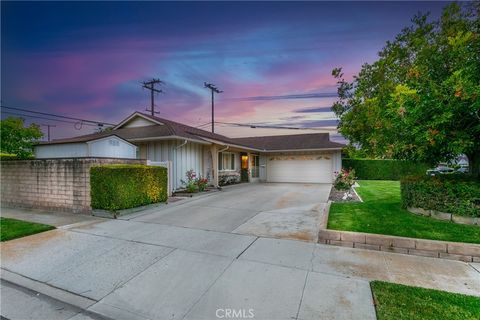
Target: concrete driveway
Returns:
[[280, 210]]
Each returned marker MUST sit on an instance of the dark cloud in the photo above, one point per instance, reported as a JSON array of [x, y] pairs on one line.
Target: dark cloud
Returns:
[[293, 122], [288, 97], [314, 110]]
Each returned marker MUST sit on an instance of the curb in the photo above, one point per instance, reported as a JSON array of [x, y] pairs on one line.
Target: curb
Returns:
[[71, 299]]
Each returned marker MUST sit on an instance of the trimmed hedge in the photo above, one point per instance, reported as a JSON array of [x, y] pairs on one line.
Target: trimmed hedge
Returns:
[[121, 186], [11, 156], [448, 193], [372, 169]]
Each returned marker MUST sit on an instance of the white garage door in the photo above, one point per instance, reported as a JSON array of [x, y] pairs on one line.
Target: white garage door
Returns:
[[306, 169]]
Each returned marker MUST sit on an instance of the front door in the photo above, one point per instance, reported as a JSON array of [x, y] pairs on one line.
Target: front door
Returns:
[[254, 168], [244, 167]]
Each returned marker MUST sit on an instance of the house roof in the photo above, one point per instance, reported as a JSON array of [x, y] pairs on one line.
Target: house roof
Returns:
[[164, 128], [291, 142]]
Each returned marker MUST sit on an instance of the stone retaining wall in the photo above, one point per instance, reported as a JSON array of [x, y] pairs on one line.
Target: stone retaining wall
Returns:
[[52, 184], [467, 252], [445, 216]]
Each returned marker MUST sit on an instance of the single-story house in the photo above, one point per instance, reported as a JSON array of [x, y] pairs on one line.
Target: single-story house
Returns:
[[302, 158]]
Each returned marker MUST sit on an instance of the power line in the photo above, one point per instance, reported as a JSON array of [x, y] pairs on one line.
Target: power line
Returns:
[[58, 116], [48, 129], [214, 90], [203, 125], [150, 85], [58, 120], [263, 126]]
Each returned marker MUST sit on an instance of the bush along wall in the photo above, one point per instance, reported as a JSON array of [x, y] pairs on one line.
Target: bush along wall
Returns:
[[11, 156], [453, 194], [115, 187], [371, 169]]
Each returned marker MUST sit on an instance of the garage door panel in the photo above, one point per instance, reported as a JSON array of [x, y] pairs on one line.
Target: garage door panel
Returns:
[[304, 171]]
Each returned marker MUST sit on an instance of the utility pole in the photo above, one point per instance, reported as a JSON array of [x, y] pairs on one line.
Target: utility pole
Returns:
[[150, 85], [214, 90], [48, 129]]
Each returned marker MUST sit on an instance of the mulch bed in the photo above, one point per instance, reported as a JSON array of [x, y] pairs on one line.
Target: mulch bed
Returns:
[[337, 196], [182, 193]]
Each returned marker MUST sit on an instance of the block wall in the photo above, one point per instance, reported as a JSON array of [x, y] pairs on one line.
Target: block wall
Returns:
[[51, 184]]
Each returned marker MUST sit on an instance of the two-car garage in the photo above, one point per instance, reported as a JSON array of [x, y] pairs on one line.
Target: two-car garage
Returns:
[[303, 168]]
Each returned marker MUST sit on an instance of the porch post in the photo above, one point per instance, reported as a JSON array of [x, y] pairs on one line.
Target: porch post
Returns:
[[214, 151], [248, 167]]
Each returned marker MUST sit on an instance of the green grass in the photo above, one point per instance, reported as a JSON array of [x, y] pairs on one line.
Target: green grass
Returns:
[[398, 302], [381, 213], [13, 228]]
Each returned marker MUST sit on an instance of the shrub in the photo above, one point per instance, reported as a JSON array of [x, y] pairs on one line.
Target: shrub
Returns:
[[202, 183], [455, 194], [194, 184], [191, 184], [344, 180], [370, 169], [11, 156], [118, 186], [229, 178], [8, 156]]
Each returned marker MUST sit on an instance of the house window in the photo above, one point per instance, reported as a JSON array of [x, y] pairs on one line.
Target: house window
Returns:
[[226, 161]]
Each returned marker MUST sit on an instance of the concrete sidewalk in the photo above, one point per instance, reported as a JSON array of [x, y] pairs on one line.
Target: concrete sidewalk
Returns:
[[52, 218], [136, 270]]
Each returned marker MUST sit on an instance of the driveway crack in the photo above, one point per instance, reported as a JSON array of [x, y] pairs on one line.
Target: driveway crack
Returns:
[[247, 248]]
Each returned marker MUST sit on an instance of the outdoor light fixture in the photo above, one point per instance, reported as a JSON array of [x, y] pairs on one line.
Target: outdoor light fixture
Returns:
[[244, 161]]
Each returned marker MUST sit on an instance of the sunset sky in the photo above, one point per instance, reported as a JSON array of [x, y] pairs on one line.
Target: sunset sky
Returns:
[[87, 59]]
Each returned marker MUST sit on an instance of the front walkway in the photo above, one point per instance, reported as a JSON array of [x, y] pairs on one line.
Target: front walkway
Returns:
[[138, 270]]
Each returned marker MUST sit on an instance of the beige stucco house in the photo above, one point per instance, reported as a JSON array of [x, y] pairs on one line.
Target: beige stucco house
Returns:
[[301, 158]]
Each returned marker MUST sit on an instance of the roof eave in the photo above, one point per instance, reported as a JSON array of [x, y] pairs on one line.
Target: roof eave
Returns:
[[301, 150], [224, 143], [136, 114], [174, 137]]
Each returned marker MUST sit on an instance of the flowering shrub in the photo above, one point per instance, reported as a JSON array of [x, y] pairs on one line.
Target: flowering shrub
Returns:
[[202, 183], [229, 178], [194, 184], [190, 184], [344, 180]]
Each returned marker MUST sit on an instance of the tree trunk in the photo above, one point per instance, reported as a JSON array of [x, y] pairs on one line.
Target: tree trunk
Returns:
[[474, 163]]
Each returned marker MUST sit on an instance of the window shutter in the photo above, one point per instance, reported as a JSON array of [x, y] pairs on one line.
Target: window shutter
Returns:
[[220, 161], [232, 159]]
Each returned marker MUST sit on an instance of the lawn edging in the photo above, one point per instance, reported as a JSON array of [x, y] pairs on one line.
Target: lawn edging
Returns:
[[467, 252], [455, 218]]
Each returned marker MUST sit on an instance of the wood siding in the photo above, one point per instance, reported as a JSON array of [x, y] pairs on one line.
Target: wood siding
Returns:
[[187, 157]]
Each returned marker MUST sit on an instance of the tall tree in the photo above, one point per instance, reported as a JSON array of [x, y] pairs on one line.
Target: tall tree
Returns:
[[16, 138], [421, 99]]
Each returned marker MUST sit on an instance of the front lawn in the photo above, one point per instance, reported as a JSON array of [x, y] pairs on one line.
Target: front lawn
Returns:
[[13, 228], [381, 213], [398, 302]]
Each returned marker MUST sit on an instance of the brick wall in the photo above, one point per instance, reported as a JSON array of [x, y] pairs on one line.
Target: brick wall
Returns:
[[53, 184]]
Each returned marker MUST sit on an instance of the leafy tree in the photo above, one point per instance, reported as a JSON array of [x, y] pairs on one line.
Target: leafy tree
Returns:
[[18, 139], [421, 99], [352, 152]]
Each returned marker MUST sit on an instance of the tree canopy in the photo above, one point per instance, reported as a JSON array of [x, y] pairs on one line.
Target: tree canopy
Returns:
[[421, 99], [18, 139]]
